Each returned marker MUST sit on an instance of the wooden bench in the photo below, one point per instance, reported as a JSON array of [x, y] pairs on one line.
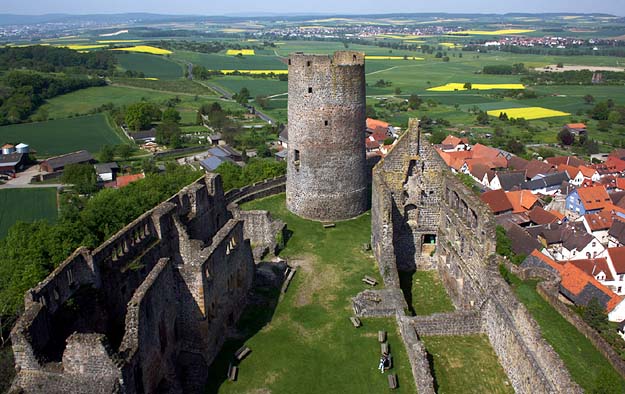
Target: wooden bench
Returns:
[[290, 273], [355, 321], [329, 225], [381, 336], [242, 353], [366, 247], [232, 372], [390, 362], [369, 280], [392, 381], [384, 348]]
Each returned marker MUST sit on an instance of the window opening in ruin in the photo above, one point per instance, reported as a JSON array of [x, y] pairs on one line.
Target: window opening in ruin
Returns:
[[308, 63], [428, 244], [289, 62], [325, 122], [354, 57], [309, 89]]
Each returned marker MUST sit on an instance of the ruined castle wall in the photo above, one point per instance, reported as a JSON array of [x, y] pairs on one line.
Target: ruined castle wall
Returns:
[[326, 162], [265, 188], [151, 327], [455, 323], [417, 355], [262, 230], [89, 354]]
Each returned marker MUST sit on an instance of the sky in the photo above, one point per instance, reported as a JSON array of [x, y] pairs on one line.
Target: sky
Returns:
[[213, 7]]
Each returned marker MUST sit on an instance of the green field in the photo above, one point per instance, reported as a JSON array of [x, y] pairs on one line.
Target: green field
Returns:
[[326, 354], [55, 137], [214, 61], [587, 366], [465, 364], [85, 100], [177, 86], [425, 293], [151, 65], [26, 205], [256, 86]]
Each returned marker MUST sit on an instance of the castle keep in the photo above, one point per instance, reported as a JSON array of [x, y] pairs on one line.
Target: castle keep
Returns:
[[326, 177], [148, 310]]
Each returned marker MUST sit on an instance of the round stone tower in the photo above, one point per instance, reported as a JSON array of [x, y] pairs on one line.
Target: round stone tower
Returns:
[[326, 178]]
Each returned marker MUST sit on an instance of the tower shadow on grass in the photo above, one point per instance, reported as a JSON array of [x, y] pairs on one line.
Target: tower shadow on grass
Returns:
[[405, 283], [432, 370]]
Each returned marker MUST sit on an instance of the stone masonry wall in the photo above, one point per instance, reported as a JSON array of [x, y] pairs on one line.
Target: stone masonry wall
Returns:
[[326, 178], [421, 198], [173, 282]]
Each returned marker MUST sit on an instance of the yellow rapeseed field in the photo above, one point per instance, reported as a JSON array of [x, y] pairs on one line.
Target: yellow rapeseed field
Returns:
[[449, 44], [150, 79], [277, 72], [117, 41], [393, 58], [145, 49], [232, 30], [242, 52], [528, 113], [494, 32], [81, 47], [450, 87]]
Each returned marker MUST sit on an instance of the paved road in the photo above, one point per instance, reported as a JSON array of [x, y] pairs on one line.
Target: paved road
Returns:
[[33, 186]]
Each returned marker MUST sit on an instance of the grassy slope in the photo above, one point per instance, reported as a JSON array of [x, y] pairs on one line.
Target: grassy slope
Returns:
[[151, 65], [310, 346], [60, 136], [26, 205], [582, 359], [466, 364]]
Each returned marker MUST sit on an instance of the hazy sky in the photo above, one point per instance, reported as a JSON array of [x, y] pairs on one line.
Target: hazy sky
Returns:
[[216, 7]]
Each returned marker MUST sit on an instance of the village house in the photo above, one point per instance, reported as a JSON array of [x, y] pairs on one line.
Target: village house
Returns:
[[452, 143], [497, 201], [585, 200], [616, 234], [576, 129], [507, 181], [106, 171], [546, 184], [598, 225]]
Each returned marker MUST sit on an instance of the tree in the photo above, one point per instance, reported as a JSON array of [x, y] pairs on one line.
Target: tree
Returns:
[[515, 146], [82, 176], [139, 116], [370, 112], [414, 102], [124, 151], [482, 118], [107, 154], [566, 137], [169, 134], [468, 85], [170, 115], [589, 99], [262, 100], [600, 111], [503, 116], [243, 96], [398, 90]]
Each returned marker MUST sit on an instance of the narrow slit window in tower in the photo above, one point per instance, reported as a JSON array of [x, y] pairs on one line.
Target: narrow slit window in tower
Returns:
[[308, 63], [309, 89], [325, 122], [296, 159], [354, 57], [289, 62]]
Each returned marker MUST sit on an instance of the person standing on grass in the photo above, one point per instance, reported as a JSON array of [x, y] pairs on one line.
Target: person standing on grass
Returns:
[[382, 362]]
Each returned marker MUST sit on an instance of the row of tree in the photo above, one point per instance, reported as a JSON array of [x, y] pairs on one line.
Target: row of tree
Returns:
[[54, 59]]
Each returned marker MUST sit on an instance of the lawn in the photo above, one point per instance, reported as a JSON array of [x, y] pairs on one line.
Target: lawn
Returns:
[[55, 137], [26, 205], [151, 65], [465, 364], [586, 365], [425, 293], [309, 345]]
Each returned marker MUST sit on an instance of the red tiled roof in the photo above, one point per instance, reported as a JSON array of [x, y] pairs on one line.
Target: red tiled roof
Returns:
[[574, 280], [567, 160], [488, 154], [454, 141], [378, 136], [617, 255], [371, 144], [536, 167], [615, 164], [455, 160], [587, 171], [620, 183], [539, 216], [570, 170], [373, 123], [599, 221], [521, 200], [124, 180], [497, 201], [559, 215], [576, 126], [7, 146], [593, 266], [594, 197]]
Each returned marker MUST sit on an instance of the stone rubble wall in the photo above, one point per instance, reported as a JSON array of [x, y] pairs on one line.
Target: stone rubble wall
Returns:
[[454, 323], [417, 355], [173, 282]]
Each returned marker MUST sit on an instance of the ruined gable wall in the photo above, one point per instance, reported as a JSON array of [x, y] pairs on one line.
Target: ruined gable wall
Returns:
[[149, 343]]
